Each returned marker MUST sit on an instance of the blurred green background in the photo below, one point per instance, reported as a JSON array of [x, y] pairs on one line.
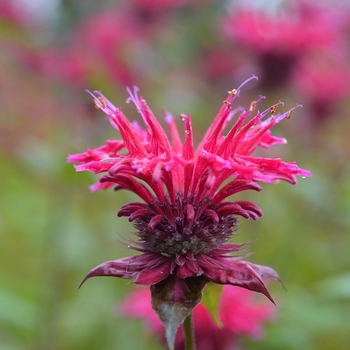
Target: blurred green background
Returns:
[[53, 230]]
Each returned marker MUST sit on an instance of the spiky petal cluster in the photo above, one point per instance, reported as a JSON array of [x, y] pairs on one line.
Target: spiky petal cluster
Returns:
[[184, 223]]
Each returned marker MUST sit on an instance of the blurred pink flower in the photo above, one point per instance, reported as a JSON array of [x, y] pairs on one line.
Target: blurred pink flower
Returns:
[[68, 65], [266, 32], [12, 13], [154, 14], [156, 5], [323, 82], [184, 225], [219, 63], [240, 312], [280, 41], [103, 45]]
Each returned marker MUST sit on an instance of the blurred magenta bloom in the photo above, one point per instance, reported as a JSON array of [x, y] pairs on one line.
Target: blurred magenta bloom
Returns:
[[184, 224], [263, 31], [11, 13], [156, 5], [103, 45], [324, 83], [240, 313], [109, 44], [279, 41]]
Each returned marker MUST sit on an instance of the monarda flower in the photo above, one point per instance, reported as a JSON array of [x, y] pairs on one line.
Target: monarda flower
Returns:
[[184, 223]]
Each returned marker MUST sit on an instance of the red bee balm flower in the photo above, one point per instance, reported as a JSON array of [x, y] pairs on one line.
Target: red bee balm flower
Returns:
[[184, 224]]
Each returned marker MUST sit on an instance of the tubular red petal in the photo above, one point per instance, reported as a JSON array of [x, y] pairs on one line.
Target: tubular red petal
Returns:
[[233, 187], [132, 140], [176, 140], [212, 215], [253, 210], [101, 186], [209, 142], [139, 213], [189, 210], [228, 208], [157, 137], [129, 208], [155, 221], [94, 166], [129, 183], [188, 154], [225, 145]]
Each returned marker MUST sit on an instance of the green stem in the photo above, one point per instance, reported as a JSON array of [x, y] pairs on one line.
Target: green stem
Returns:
[[189, 337]]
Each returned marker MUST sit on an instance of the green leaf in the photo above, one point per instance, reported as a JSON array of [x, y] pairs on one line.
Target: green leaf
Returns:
[[173, 299], [211, 298]]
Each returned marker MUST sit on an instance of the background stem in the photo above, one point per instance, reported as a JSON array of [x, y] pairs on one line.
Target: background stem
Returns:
[[189, 336]]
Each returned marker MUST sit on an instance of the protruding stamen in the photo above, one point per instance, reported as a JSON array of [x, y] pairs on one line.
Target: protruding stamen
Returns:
[[233, 92], [288, 114], [233, 113], [168, 117], [252, 107], [273, 108], [253, 77], [134, 97], [102, 102], [97, 102]]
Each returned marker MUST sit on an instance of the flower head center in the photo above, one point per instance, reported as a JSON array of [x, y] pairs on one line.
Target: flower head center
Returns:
[[184, 227]]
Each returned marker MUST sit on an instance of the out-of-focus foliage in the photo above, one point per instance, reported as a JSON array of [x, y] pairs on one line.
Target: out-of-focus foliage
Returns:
[[185, 56]]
